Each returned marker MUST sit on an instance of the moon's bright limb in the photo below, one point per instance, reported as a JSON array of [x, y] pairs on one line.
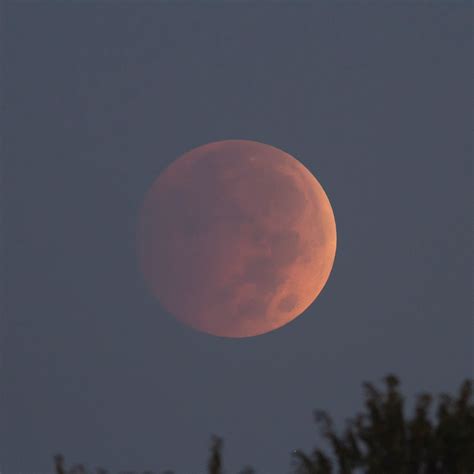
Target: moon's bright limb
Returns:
[[236, 238]]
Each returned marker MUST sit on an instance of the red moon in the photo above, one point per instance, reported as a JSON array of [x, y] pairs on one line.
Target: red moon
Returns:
[[236, 238]]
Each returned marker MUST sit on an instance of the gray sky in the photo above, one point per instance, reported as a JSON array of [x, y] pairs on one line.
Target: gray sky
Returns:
[[99, 97]]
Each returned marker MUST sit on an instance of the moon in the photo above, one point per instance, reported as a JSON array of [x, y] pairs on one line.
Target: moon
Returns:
[[236, 238]]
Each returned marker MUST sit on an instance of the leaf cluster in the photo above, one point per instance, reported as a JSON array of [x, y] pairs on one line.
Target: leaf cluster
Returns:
[[381, 440]]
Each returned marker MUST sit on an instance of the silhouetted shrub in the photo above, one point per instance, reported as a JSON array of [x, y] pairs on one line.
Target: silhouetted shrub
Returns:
[[381, 440]]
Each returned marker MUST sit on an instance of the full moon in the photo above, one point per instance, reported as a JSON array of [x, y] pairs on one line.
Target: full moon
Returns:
[[236, 238]]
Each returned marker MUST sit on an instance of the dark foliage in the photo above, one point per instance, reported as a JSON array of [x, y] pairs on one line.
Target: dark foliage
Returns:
[[215, 461], [380, 440]]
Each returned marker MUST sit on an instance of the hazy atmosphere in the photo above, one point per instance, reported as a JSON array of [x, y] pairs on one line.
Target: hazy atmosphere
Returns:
[[99, 97]]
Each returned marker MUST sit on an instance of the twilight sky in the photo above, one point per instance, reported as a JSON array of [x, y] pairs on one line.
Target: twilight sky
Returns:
[[99, 97]]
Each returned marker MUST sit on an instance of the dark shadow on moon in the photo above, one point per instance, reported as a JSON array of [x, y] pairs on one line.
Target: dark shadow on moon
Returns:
[[287, 303], [251, 309], [264, 273], [285, 247]]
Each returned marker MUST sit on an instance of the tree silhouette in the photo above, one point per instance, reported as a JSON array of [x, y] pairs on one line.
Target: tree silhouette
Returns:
[[382, 441], [215, 461]]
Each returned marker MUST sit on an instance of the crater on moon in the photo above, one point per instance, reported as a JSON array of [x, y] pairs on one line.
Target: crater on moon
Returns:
[[287, 303]]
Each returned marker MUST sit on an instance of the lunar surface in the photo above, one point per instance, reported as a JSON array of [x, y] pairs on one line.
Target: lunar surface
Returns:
[[236, 238]]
